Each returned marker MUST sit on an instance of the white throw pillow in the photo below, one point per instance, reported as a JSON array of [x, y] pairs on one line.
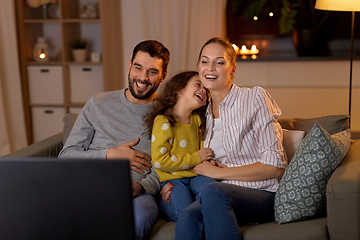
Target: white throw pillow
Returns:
[[291, 141]]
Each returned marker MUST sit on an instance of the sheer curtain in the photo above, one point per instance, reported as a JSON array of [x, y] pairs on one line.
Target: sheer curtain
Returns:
[[12, 123], [182, 26]]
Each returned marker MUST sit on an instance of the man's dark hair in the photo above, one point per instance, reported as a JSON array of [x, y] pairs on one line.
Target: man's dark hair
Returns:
[[154, 49]]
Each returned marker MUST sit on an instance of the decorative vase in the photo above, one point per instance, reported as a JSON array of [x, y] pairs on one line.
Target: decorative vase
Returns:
[[306, 41], [79, 55]]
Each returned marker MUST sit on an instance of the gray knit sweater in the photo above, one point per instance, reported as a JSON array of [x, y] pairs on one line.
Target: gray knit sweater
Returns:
[[108, 120]]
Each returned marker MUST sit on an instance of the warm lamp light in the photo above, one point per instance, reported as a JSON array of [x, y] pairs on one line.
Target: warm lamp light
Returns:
[[41, 50], [345, 6], [338, 5]]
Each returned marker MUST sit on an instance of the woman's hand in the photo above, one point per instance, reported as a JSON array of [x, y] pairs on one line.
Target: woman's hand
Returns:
[[165, 192], [248, 173], [216, 163], [209, 169]]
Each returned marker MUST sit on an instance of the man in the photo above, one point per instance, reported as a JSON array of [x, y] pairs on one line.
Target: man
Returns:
[[110, 127]]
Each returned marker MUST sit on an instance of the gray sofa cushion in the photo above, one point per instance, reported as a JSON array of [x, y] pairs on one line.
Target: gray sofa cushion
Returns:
[[69, 120], [332, 123], [307, 230]]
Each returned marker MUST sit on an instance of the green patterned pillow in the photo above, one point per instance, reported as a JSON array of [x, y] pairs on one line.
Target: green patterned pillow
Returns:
[[302, 190]]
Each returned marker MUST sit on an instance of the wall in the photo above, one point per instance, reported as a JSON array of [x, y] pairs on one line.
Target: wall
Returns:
[[182, 26], [306, 88]]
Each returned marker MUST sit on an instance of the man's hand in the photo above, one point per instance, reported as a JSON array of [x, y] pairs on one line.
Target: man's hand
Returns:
[[165, 192], [139, 162], [136, 188]]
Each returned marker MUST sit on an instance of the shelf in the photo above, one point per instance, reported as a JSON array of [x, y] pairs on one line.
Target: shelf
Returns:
[[69, 63], [58, 105], [62, 26], [74, 20], [51, 63], [82, 63], [76, 83], [81, 20], [47, 105], [30, 21]]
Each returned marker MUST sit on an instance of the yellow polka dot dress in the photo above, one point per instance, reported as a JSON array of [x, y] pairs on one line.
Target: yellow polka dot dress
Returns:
[[174, 149]]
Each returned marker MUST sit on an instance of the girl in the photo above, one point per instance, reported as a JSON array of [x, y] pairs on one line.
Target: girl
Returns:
[[177, 126]]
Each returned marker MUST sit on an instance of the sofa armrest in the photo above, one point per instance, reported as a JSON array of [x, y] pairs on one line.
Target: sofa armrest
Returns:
[[49, 147], [343, 197]]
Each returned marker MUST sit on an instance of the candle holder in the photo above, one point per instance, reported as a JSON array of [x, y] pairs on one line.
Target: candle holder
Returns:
[[41, 50]]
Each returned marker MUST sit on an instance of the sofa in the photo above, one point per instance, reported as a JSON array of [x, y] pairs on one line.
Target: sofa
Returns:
[[340, 222]]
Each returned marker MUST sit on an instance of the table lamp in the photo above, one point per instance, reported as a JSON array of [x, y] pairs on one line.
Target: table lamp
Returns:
[[345, 6]]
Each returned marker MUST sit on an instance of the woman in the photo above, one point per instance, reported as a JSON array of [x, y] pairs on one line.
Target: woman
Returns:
[[243, 132]]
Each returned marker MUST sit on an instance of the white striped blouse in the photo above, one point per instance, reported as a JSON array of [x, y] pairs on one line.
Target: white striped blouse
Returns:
[[250, 132]]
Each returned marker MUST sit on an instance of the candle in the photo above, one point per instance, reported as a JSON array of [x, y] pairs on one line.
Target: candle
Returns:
[[236, 48], [254, 50], [42, 55], [244, 50]]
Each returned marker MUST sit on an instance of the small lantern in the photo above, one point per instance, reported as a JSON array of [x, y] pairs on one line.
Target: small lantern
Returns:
[[41, 50]]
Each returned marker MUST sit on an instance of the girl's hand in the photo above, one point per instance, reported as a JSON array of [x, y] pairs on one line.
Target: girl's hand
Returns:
[[206, 154], [165, 192], [206, 168]]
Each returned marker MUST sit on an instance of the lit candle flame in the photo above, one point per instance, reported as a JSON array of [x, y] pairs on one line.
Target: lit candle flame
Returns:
[[42, 55], [254, 50], [236, 48]]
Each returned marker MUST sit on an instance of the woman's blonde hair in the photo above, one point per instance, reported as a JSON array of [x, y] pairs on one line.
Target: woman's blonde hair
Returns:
[[227, 46]]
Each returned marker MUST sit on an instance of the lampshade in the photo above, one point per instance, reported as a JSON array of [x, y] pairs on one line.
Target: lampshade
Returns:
[[338, 5]]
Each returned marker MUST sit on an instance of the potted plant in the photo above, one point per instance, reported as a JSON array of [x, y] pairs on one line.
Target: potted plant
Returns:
[[300, 18], [78, 46]]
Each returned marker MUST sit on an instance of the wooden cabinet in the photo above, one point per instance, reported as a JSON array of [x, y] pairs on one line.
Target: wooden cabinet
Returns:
[[60, 25]]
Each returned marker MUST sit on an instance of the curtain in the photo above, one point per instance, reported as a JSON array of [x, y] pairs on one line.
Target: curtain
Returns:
[[12, 123], [182, 26]]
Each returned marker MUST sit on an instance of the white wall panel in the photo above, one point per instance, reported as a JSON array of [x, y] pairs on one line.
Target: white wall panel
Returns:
[[305, 88]]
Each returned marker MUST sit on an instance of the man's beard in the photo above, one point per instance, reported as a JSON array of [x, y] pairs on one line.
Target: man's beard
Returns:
[[141, 94]]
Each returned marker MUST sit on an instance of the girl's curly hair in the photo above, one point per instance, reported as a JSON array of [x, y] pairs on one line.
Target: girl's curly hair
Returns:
[[167, 99]]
